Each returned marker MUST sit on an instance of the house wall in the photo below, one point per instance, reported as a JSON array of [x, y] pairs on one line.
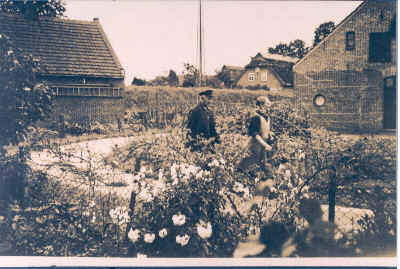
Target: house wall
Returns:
[[272, 81], [84, 109], [353, 86]]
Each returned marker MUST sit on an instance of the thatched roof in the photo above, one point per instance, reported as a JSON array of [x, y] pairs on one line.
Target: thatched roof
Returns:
[[65, 47], [282, 66], [233, 68]]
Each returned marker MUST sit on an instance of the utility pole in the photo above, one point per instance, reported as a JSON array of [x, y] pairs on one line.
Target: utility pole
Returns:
[[200, 45]]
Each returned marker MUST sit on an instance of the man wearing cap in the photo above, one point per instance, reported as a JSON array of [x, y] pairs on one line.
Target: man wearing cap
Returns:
[[259, 129], [201, 123]]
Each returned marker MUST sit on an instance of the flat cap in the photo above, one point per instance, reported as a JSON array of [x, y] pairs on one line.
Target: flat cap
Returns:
[[207, 93]]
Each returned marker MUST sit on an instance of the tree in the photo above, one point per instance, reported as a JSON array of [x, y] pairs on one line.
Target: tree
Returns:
[[225, 77], [32, 9], [190, 75], [159, 81], [138, 81], [296, 48], [23, 101], [281, 49], [173, 78], [322, 31]]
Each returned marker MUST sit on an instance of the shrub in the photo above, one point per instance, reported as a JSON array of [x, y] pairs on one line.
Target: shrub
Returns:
[[23, 101]]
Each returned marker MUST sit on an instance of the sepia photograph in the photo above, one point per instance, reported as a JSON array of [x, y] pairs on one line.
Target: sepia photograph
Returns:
[[198, 129]]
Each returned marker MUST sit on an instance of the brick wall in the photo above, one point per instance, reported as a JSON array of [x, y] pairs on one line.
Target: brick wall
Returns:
[[352, 85]]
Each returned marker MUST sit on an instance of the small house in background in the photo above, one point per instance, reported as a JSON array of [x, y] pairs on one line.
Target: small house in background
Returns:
[[348, 81], [79, 63], [268, 70], [230, 75]]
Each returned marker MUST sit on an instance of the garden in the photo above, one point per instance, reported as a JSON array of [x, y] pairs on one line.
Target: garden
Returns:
[[148, 195]]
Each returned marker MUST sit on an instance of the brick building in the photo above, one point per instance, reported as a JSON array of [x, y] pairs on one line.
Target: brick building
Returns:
[[348, 81], [271, 70], [79, 64]]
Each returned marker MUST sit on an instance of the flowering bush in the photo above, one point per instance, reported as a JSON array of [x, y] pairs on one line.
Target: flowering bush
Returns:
[[185, 210]]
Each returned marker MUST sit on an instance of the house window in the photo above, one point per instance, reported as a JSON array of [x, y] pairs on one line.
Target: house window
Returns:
[[319, 100], [251, 77], [379, 48], [264, 76], [350, 40]]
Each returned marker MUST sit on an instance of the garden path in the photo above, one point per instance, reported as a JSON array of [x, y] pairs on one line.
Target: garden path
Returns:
[[76, 159]]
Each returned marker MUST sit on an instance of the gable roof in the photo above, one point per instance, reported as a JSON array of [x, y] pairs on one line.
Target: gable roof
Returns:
[[65, 47], [285, 75], [355, 11]]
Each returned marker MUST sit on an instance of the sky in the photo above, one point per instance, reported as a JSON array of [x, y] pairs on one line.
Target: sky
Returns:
[[151, 37]]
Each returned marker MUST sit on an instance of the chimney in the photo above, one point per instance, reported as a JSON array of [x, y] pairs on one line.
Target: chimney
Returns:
[[96, 19]]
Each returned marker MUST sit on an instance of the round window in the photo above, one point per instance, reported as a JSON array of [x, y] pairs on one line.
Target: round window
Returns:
[[319, 100]]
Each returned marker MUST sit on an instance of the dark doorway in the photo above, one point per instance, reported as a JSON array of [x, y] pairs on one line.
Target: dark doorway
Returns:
[[389, 103]]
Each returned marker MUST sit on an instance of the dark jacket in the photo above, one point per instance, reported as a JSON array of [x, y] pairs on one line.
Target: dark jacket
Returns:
[[201, 123]]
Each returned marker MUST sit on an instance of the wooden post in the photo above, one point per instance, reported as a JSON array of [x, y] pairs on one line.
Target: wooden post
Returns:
[[332, 195]]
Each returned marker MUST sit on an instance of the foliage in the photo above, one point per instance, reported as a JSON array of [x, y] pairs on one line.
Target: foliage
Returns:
[[190, 75], [258, 87], [24, 101], [159, 81], [213, 82], [173, 78], [191, 204], [34, 8], [138, 81], [322, 31], [296, 48]]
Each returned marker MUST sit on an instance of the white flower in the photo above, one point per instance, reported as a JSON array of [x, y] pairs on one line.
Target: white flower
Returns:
[[199, 174], [302, 155], [134, 235], [182, 240], [149, 238], [145, 195], [179, 219], [287, 174], [246, 192], [214, 163], [238, 187], [174, 174], [141, 256], [163, 233], [204, 230], [160, 174]]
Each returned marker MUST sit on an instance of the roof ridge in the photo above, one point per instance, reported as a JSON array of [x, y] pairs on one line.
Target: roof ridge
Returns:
[[47, 18]]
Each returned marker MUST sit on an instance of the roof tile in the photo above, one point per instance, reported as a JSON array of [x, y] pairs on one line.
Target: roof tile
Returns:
[[65, 47]]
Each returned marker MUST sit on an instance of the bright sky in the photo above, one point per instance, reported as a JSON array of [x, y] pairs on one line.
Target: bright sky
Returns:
[[152, 37]]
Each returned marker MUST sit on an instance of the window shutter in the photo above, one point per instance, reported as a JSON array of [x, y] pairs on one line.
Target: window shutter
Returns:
[[379, 48]]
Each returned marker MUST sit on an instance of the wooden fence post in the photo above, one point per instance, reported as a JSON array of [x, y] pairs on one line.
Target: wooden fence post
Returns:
[[332, 194]]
